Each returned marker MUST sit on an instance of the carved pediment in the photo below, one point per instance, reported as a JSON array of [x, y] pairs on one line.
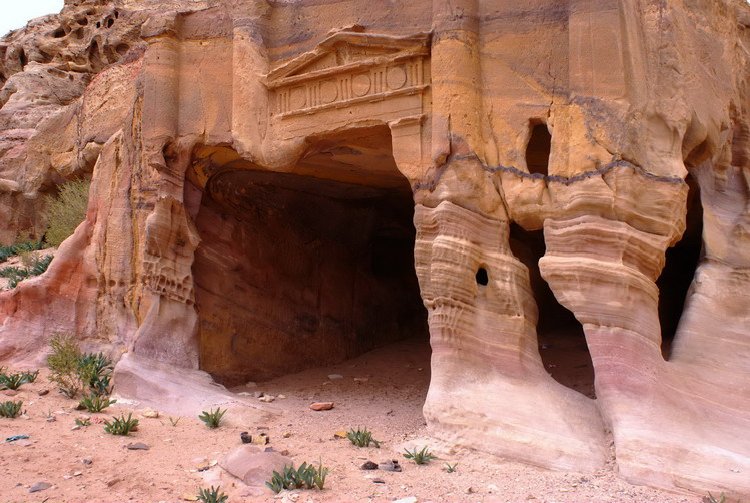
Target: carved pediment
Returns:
[[349, 67]]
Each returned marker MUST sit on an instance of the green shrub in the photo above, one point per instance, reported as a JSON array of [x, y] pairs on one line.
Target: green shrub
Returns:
[[66, 211], [83, 422], [17, 379], [362, 438], [95, 403], [212, 418], [7, 252], [96, 372], [10, 409], [213, 495], [421, 457], [63, 362], [36, 267], [121, 425], [306, 476]]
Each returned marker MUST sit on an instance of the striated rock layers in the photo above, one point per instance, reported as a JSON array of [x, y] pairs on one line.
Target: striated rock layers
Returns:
[[282, 184]]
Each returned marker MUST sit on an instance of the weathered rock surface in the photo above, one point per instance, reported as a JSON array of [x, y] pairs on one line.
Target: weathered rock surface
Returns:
[[249, 212]]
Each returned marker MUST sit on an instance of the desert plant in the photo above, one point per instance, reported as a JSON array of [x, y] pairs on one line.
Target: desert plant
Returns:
[[95, 370], [174, 421], [66, 211], [421, 457], [306, 476], [451, 468], [95, 403], [16, 380], [213, 495], [121, 425], [83, 421], [37, 266], [713, 499], [7, 252], [212, 418], [362, 438], [63, 362], [10, 409]]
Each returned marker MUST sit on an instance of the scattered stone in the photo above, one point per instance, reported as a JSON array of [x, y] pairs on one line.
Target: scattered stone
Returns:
[[390, 466], [340, 434], [244, 393], [87, 461], [492, 488], [246, 438], [24, 443], [258, 394], [470, 490], [408, 499], [43, 392], [378, 481], [319, 406], [261, 439], [189, 497], [150, 413], [51, 419], [369, 465], [334, 377], [15, 438], [113, 482], [137, 446], [40, 486], [361, 379], [281, 397], [286, 435], [267, 398], [203, 466]]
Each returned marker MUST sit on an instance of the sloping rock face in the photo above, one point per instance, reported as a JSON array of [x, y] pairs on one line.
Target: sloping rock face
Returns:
[[228, 141]]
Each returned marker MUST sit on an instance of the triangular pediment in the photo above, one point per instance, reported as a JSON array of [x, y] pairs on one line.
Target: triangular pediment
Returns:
[[343, 50]]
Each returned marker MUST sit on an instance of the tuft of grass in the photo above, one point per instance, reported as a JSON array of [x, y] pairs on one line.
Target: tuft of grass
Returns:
[[10, 409], [95, 403], [16, 380], [174, 421], [83, 421], [212, 418], [713, 499], [451, 468], [306, 476], [121, 425], [421, 457], [362, 438], [7, 252], [66, 211], [213, 495]]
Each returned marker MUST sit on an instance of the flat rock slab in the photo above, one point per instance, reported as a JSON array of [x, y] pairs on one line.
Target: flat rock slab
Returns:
[[39, 486], [319, 406], [137, 446], [252, 465]]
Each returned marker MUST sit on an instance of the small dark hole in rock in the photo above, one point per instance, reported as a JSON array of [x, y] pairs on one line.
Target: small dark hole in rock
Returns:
[[110, 22], [482, 277]]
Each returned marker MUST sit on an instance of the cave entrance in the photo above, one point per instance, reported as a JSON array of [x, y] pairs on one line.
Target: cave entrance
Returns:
[[562, 343], [308, 268], [681, 263]]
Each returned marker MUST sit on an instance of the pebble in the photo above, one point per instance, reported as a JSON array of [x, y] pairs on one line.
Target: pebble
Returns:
[[137, 446], [87, 461], [51, 419], [361, 379], [39, 486], [150, 413], [189, 497], [245, 437], [318, 406], [378, 481], [390, 466], [334, 377], [43, 392], [267, 398], [369, 465], [281, 397], [286, 435], [408, 499]]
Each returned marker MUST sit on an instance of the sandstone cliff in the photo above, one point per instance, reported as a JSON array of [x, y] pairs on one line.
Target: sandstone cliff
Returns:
[[227, 141]]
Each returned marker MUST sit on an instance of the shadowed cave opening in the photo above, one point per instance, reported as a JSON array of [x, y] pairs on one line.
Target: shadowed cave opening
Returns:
[[562, 343], [538, 149], [296, 271], [682, 261]]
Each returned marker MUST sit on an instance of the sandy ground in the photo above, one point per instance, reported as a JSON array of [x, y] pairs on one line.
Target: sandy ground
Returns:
[[88, 465]]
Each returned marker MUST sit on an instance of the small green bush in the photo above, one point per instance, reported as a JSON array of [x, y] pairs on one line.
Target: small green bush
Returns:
[[213, 495], [66, 211], [362, 438], [17, 379], [121, 425], [95, 403], [96, 372], [421, 457], [7, 252], [212, 418], [36, 267], [10, 409], [306, 476], [63, 362]]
